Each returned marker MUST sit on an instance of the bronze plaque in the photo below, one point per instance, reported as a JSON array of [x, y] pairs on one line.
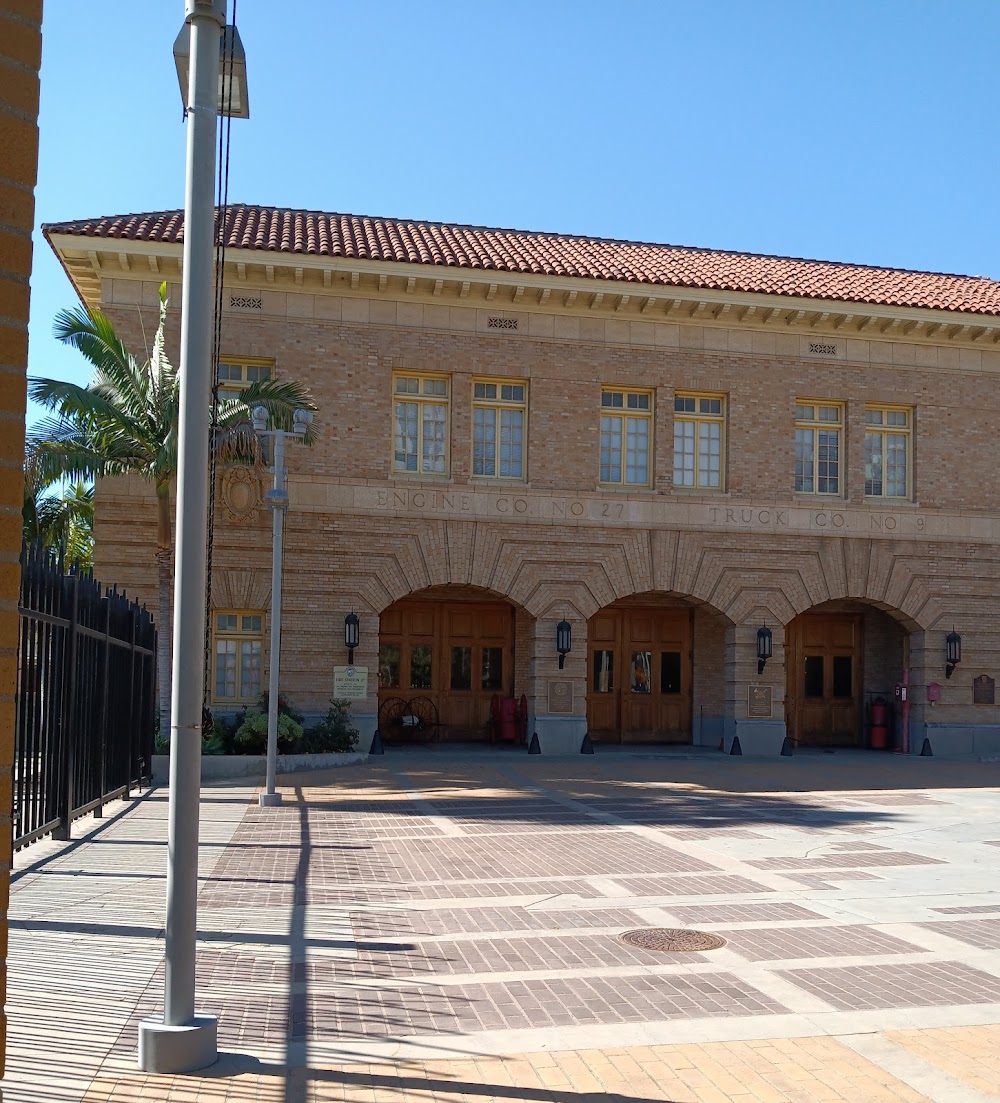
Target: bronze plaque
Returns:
[[561, 697], [983, 690], [759, 702]]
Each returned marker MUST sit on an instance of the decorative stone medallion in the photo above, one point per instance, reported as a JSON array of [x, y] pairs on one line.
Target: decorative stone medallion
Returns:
[[241, 493]]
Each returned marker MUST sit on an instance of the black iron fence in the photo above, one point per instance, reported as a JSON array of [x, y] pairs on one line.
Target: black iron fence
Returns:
[[86, 688]]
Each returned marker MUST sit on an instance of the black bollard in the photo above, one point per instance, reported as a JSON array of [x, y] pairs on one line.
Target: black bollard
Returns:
[[736, 748], [534, 747], [586, 747], [376, 747], [786, 748], [925, 750]]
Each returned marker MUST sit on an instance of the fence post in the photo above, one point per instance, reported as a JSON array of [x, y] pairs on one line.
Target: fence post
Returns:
[[134, 723], [67, 734], [103, 729]]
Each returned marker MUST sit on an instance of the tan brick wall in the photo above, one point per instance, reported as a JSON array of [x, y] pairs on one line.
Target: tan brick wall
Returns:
[[20, 58], [356, 537]]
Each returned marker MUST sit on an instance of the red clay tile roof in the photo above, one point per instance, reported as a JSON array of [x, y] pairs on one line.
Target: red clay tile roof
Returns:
[[314, 233]]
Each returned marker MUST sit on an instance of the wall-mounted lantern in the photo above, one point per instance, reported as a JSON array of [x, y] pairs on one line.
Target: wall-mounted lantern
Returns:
[[564, 640], [953, 652], [352, 635], [763, 647]]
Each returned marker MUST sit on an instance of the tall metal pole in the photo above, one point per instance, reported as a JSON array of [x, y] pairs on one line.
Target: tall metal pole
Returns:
[[278, 501], [183, 1042]]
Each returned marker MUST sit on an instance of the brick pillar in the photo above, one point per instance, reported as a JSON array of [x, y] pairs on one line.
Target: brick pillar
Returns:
[[551, 690], [20, 58], [746, 690]]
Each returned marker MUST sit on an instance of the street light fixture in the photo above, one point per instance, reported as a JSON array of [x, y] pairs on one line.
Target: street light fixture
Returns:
[[277, 501], [182, 1041]]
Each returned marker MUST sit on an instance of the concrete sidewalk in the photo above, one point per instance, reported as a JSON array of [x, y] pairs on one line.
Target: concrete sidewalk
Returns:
[[448, 928]]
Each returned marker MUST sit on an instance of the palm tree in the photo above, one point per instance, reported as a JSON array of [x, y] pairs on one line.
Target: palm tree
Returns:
[[125, 423], [63, 521]]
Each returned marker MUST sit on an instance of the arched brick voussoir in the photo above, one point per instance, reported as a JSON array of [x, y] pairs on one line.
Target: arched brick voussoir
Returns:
[[523, 565], [583, 585], [761, 604], [552, 601]]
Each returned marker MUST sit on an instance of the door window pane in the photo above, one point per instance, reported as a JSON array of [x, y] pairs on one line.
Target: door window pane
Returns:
[[492, 668], [604, 671], [388, 666], [641, 668], [461, 668], [814, 676], [420, 666], [842, 676], [670, 672]]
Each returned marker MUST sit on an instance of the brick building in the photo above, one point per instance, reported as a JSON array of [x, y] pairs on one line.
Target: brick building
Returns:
[[20, 59], [675, 451]]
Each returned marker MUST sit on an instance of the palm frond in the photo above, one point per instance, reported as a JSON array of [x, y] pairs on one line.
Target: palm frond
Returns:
[[85, 406], [93, 334]]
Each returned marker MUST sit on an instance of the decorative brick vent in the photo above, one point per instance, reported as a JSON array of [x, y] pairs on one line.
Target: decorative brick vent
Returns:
[[502, 323], [246, 302], [822, 348], [672, 940]]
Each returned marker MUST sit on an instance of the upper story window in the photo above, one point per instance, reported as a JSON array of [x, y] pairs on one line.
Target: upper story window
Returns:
[[818, 429], [498, 410], [626, 428], [236, 375], [699, 440], [420, 424], [237, 637], [887, 451]]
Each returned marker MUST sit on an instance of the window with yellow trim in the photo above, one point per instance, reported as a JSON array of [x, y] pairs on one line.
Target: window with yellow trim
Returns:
[[420, 424], [626, 433], [498, 411], [699, 440], [818, 445], [887, 451], [235, 375], [237, 639]]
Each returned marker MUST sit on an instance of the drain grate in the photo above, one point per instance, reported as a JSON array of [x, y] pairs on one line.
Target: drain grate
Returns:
[[672, 939]]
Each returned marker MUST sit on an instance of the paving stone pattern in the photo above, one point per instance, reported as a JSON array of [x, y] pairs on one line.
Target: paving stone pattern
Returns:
[[405, 910]]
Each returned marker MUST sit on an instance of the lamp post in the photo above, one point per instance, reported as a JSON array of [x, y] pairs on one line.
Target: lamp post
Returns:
[[182, 1041], [277, 502]]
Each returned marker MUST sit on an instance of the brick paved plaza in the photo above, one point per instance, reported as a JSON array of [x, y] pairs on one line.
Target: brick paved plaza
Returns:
[[446, 927]]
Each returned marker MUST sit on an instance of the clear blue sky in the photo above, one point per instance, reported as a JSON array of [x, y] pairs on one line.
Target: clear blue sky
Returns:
[[857, 130]]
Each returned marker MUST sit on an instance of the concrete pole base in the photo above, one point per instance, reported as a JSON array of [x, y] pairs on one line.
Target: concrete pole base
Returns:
[[168, 1049], [269, 800]]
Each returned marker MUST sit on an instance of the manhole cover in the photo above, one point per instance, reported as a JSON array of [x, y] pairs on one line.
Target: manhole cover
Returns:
[[672, 939]]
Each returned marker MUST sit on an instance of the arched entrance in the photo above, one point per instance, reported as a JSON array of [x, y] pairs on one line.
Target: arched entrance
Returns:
[[452, 646], [641, 677], [840, 657]]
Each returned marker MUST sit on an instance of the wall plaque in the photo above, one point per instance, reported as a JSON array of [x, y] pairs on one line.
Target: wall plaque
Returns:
[[350, 682], [983, 690], [561, 697], [759, 702]]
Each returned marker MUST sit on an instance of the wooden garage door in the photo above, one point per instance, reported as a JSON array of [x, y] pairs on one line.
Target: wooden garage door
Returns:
[[459, 654], [823, 693], [639, 675]]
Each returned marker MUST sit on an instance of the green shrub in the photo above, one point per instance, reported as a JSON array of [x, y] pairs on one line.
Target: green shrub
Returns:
[[251, 736], [334, 734]]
